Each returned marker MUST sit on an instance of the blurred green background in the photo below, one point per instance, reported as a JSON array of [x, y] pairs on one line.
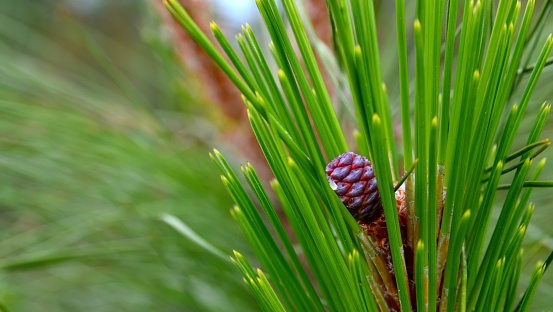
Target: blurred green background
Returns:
[[103, 131]]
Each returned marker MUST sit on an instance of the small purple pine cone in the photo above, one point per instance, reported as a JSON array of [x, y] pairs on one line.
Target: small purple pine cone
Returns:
[[351, 176]]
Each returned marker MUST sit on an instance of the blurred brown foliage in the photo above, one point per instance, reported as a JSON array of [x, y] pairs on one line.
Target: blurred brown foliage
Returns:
[[213, 83]]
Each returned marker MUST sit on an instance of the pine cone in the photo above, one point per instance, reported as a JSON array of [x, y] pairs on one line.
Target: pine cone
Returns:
[[351, 176]]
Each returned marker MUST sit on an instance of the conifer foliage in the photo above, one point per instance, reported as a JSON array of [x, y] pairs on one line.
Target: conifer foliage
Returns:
[[465, 119]]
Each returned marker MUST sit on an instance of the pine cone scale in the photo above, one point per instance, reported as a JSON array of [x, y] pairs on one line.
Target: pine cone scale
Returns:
[[357, 188], [354, 175], [340, 173]]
